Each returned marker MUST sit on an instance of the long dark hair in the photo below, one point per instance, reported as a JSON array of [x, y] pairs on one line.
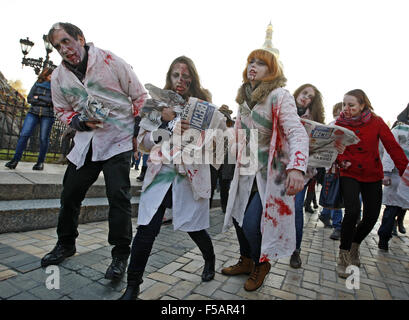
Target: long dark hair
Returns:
[[44, 74], [316, 106], [195, 89]]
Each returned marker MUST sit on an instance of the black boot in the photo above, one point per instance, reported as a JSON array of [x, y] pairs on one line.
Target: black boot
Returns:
[[132, 288], [58, 255], [314, 201], [142, 175], [307, 202], [209, 269], [12, 164], [399, 220], [116, 269], [38, 166]]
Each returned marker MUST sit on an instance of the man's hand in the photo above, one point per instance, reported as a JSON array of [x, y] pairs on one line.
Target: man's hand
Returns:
[[135, 148], [168, 114], [294, 182], [92, 124]]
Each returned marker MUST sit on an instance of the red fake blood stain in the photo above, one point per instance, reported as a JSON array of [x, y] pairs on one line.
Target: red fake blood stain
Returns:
[[299, 159], [191, 175], [108, 57], [283, 209], [264, 258]]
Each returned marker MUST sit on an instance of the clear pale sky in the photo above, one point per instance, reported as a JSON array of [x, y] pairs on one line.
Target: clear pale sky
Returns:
[[335, 45]]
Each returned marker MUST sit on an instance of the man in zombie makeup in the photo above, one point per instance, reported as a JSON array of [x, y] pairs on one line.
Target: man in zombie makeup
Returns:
[[97, 94]]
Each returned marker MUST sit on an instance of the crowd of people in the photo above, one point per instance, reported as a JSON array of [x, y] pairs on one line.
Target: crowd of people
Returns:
[[265, 204]]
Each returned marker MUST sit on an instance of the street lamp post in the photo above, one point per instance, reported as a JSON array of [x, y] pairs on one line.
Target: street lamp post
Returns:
[[37, 64]]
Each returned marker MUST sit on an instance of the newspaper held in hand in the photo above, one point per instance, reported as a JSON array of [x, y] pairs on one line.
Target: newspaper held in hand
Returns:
[[322, 142], [201, 116], [151, 111], [94, 110]]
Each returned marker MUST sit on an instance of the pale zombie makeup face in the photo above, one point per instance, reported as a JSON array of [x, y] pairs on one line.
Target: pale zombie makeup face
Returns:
[[70, 50], [351, 107], [180, 78], [305, 97], [257, 70]]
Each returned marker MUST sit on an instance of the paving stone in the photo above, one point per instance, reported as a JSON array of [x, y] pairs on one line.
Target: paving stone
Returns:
[[6, 274], [222, 295], [171, 268], [207, 288], [154, 292], [24, 296], [95, 291], [7, 290], [182, 289], [187, 276], [41, 292], [161, 277]]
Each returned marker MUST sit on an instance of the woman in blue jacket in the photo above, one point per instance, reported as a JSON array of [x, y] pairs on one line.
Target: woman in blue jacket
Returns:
[[41, 111]]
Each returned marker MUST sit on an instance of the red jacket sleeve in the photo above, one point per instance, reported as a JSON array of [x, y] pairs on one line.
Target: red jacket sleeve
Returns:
[[392, 147]]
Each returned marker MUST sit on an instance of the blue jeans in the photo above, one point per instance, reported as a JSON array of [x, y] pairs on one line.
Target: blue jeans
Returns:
[[249, 235], [388, 220], [335, 215], [299, 216], [30, 122], [145, 157]]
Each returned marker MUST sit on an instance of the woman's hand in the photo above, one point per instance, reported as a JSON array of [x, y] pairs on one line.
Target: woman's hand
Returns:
[[294, 182], [339, 146], [344, 164], [168, 114], [180, 127]]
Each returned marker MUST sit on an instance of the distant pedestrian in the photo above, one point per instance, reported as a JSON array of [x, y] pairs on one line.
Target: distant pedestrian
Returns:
[[309, 104], [333, 217], [41, 112], [395, 205], [224, 174]]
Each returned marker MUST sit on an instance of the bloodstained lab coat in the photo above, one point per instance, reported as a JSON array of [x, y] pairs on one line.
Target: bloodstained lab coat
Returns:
[[111, 81], [282, 144]]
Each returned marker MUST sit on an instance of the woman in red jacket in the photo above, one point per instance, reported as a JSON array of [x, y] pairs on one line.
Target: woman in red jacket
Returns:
[[361, 172]]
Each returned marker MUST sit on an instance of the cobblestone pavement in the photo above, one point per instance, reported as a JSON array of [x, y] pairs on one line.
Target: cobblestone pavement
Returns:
[[174, 268]]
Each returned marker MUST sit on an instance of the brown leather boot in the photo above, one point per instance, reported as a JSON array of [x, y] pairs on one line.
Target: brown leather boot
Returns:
[[256, 278], [244, 266], [354, 254], [344, 261]]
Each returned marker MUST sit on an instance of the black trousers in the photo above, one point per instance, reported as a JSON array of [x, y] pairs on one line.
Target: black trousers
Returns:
[[224, 187], [146, 235], [76, 184], [372, 200]]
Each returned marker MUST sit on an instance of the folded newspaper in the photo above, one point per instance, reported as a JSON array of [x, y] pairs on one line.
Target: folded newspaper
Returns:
[[151, 111], [322, 142], [94, 110], [200, 114]]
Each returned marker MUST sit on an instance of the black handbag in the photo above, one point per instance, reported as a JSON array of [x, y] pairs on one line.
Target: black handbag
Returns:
[[331, 196]]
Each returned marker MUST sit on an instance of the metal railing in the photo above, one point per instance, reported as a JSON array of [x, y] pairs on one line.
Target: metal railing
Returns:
[[12, 115]]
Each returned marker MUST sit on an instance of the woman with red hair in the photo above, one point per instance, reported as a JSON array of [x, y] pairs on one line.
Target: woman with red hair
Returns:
[[362, 172], [261, 198]]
